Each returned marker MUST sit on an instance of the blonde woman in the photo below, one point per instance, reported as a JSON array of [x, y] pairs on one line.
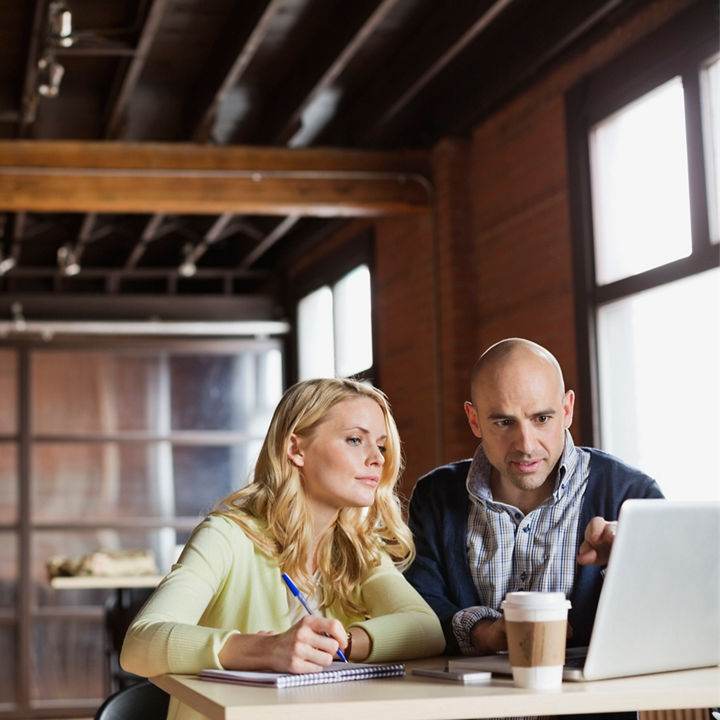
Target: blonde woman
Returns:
[[322, 508]]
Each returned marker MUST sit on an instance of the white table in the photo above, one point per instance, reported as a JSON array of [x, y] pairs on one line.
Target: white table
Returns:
[[416, 698]]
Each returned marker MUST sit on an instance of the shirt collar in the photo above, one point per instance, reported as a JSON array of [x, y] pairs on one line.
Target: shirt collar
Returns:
[[478, 478]]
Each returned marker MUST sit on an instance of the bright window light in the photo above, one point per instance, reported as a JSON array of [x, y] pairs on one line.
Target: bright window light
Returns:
[[315, 335], [335, 328], [659, 360], [710, 79], [353, 325], [640, 189]]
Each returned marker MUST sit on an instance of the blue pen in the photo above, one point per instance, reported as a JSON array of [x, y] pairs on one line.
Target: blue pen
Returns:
[[294, 590]]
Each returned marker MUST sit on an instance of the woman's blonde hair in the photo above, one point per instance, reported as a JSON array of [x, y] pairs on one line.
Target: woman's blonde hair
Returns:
[[352, 547]]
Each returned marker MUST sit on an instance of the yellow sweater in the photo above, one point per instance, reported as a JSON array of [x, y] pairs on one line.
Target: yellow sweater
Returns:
[[223, 584]]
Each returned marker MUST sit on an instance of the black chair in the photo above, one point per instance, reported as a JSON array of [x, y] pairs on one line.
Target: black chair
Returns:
[[142, 701], [120, 610]]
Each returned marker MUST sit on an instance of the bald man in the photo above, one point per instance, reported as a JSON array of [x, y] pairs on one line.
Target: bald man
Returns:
[[530, 511]]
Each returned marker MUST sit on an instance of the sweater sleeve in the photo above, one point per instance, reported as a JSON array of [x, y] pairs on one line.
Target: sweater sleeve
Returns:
[[167, 634], [402, 624], [438, 522]]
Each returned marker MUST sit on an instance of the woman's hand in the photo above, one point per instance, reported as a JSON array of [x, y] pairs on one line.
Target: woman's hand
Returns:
[[307, 646]]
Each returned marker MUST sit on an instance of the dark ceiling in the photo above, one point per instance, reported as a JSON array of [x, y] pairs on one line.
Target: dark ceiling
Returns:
[[371, 74]]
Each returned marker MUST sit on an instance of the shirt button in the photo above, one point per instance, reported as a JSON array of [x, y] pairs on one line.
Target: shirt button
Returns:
[[518, 516], [526, 529], [523, 576]]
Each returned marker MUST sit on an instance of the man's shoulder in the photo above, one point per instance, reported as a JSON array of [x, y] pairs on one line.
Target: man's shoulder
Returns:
[[451, 471], [604, 461], [611, 471], [443, 489], [444, 482]]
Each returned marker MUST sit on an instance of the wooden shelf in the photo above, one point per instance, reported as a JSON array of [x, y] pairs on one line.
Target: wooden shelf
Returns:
[[96, 582]]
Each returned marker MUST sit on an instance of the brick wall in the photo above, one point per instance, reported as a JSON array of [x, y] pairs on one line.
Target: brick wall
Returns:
[[498, 251], [494, 260]]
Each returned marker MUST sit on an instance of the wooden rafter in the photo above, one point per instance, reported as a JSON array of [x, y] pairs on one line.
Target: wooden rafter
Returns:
[[128, 80], [231, 76], [271, 239], [370, 26], [425, 78]]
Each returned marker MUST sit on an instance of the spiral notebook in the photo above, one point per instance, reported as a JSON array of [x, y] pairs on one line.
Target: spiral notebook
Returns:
[[336, 672]]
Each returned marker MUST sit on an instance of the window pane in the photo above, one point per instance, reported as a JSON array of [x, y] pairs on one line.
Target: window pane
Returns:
[[102, 392], [222, 392], [8, 482], [68, 659], [108, 481], [203, 475], [8, 392], [8, 570], [640, 190], [157, 392], [659, 354], [8, 676], [353, 328], [711, 130], [315, 335]]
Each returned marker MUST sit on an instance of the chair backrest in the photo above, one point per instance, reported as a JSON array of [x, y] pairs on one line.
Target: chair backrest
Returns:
[[142, 701]]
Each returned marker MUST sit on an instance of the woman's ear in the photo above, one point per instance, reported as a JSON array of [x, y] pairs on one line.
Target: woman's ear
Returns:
[[295, 450]]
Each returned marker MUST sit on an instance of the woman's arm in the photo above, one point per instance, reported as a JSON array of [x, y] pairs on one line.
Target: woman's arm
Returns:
[[222, 605], [402, 625], [165, 636]]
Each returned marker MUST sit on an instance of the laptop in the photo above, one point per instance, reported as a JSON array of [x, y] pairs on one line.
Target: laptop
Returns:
[[659, 608]]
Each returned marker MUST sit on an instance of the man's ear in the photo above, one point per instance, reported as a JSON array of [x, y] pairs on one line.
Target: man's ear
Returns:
[[568, 408], [472, 418], [295, 450]]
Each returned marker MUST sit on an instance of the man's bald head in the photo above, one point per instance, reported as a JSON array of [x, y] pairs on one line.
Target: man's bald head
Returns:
[[521, 413], [508, 351]]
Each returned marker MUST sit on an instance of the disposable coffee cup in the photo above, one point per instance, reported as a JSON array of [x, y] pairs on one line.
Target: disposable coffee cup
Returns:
[[536, 624]]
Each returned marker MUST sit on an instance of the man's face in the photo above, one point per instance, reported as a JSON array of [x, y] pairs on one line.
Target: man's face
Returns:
[[520, 412]]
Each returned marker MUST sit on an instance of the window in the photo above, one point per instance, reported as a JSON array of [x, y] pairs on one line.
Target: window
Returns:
[[334, 328], [644, 140], [158, 434], [334, 316]]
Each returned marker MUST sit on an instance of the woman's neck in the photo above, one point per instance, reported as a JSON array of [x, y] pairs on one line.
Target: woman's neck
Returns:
[[322, 522]]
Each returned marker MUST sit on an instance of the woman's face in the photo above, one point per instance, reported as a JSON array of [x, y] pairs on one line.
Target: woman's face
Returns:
[[342, 461]]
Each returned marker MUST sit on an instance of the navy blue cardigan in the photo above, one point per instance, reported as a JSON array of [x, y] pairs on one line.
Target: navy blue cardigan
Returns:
[[439, 510]]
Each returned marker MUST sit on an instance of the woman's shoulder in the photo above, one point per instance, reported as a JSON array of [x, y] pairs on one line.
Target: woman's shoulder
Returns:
[[233, 526]]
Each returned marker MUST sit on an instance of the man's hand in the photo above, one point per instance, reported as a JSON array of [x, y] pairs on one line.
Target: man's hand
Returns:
[[489, 635], [599, 537]]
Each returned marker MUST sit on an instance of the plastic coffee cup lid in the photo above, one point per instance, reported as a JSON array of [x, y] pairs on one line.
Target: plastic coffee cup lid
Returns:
[[536, 600]]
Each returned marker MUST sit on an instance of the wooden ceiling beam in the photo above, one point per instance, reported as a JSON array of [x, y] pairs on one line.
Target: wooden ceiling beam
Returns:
[[127, 178]]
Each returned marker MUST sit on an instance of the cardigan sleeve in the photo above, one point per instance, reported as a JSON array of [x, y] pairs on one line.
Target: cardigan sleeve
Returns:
[[438, 521], [166, 635], [402, 625]]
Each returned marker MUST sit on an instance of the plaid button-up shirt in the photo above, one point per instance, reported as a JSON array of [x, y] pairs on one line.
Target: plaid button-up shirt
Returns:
[[510, 551]]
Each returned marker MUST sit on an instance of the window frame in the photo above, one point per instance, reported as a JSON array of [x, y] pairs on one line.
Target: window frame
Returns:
[[359, 250], [25, 615], [678, 48]]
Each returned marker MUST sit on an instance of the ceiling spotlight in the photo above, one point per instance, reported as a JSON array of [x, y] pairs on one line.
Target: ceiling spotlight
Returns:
[[60, 24], [68, 261], [6, 263], [188, 267], [50, 75]]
